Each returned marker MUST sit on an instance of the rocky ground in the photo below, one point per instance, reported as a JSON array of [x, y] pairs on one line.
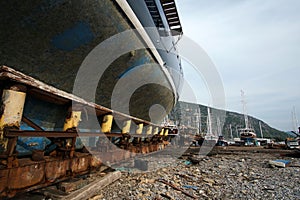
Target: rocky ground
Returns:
[[232, 174]]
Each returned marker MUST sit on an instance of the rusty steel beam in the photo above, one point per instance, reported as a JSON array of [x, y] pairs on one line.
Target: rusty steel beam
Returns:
[[91, 134], [48, 134], [31, 123], [66, 134], [45, 96]]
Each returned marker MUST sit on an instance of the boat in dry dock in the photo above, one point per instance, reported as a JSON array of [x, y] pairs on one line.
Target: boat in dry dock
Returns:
[[43, 47], [49, 41], [247, 134]]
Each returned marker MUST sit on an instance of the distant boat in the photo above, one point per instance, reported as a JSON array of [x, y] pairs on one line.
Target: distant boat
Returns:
[[210, 137], [247, 134], [294, 142], [221, 141]]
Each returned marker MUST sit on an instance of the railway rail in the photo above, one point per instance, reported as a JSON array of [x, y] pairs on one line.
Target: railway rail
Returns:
[[70, 149]]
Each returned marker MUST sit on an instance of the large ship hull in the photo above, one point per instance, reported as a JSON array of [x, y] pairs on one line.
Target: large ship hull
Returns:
[[49, 40], [50, 127]]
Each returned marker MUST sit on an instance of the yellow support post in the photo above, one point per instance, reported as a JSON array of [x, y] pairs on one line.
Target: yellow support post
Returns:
[[107, 123], [139, 129], [166, 132], [155, 131], [161, 132], [73, 120], [126, 127], [149, 130], [13, 100]]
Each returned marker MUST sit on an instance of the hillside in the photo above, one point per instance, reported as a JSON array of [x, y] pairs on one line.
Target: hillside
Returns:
[[187, 114]]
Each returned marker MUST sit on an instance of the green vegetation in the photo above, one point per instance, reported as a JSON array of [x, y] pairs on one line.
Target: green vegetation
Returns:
[[187, 114]]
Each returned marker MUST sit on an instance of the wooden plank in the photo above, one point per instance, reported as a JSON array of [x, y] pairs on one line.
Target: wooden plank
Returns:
[[176, 188], [94, 187]]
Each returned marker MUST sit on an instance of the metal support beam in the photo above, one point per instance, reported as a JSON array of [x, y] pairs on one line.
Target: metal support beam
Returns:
[[49, 134], [31, 124]]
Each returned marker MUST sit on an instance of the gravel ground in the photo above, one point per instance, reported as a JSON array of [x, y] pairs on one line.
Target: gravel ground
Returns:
[[234, 175]]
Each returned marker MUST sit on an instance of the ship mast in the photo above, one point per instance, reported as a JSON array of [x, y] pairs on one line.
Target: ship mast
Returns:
[[219, 126], [261, 133], [231, 131], [209, 128], [245, 110], [199, 118], [294, 119]]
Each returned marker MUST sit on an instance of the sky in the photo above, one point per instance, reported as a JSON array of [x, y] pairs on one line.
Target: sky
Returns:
[[255, 47]]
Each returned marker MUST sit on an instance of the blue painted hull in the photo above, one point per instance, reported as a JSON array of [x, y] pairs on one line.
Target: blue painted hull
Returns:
[[49, 39]]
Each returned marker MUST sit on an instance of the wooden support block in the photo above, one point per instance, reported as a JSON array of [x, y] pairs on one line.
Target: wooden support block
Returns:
[[72, 185]]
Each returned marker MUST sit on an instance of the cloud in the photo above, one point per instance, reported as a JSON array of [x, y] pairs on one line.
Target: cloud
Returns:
[[255, 46]]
